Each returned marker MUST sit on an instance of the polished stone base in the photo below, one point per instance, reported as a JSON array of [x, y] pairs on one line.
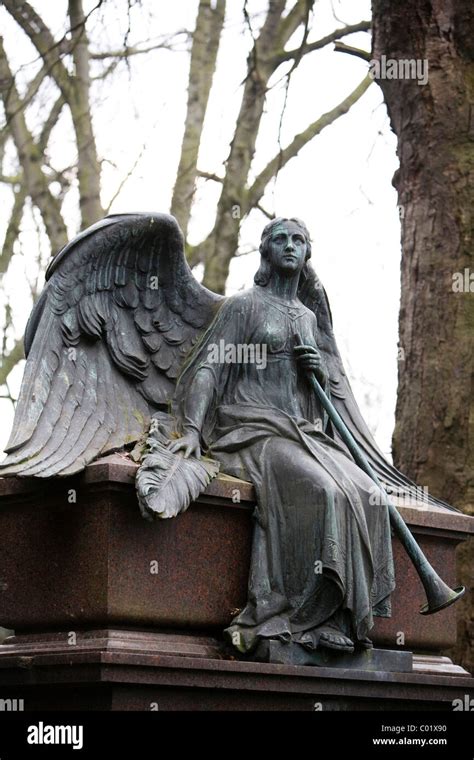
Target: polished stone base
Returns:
[[89, 560], [114, 613], [140, 670], [381, 660]]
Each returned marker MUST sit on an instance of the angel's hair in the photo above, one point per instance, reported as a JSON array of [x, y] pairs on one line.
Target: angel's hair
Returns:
[[262, 275]]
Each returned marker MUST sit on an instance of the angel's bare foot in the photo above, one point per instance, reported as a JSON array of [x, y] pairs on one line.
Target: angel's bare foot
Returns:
[[331, 637]]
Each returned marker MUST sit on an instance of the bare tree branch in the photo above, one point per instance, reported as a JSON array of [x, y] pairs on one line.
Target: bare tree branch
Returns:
[[130, 50], [72, 76], [34, 85], [30, 157], [75, 90], [44, 42], [4, 135], [193, 254], [125, 179], [209, 175], [264, 211], [258, 187], [302, 48], [340, 47], [50, 122], [12, 179], [286, 55], [295, 17], [13, 228], [8, 361], [114, 63]]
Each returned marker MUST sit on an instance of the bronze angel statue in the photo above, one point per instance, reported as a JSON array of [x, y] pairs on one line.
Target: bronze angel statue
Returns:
[[124, 343]]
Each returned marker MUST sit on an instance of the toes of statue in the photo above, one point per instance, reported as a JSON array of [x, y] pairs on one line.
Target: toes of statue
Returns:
[[336, 641]]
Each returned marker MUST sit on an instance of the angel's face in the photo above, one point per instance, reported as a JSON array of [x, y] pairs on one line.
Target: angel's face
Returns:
[[287, 249]]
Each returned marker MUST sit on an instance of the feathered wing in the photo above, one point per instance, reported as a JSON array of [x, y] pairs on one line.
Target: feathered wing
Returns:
[[313, 295], [105, 342]]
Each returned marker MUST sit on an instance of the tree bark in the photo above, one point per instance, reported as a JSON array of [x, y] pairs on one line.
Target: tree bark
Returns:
[[206, 38], [88, 166], [30, 158], [434, 124], [75, 90], [13, 228]]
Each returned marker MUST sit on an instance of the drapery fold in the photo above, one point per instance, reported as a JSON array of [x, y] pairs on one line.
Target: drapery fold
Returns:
[[321, 548]]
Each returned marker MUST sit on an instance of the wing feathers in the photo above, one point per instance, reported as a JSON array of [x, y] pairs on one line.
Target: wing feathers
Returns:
[[125, 345], [84, 412], [39, 373], [106, 340], [65, 395]]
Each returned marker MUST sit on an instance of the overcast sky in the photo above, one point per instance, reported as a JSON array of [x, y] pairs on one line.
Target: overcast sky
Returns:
[[340, 184]]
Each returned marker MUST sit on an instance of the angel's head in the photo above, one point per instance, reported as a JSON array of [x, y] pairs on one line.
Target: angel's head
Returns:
[[285, 244]]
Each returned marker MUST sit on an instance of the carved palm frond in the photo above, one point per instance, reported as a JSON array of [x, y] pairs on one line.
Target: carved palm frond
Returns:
[[167, 483]]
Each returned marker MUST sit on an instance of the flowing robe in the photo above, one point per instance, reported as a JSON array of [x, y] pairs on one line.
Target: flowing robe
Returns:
[[321, 545]]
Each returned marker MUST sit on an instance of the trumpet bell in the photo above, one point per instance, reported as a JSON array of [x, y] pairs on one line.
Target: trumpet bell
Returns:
[[441, 596]]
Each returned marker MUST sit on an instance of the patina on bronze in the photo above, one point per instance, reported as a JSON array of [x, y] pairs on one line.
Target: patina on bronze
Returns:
[[439, 594], [121, 317]]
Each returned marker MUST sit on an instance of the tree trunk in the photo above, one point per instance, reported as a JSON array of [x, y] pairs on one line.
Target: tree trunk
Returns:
[[30, 159], [221, 245], [434, 124], [88, 167], [237, 198], [206, 38], [75, 90]]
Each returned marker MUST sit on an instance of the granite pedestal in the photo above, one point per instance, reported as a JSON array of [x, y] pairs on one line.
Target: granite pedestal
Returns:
[[130, 613]]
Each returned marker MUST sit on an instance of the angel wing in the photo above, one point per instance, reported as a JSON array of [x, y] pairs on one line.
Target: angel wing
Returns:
[[311, 292], [104, 344]]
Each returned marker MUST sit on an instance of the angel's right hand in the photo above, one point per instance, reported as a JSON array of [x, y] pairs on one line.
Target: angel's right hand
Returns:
[[188, 443]]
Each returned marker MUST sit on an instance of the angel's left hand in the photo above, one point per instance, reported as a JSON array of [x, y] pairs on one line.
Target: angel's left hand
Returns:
[[310, 360]]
